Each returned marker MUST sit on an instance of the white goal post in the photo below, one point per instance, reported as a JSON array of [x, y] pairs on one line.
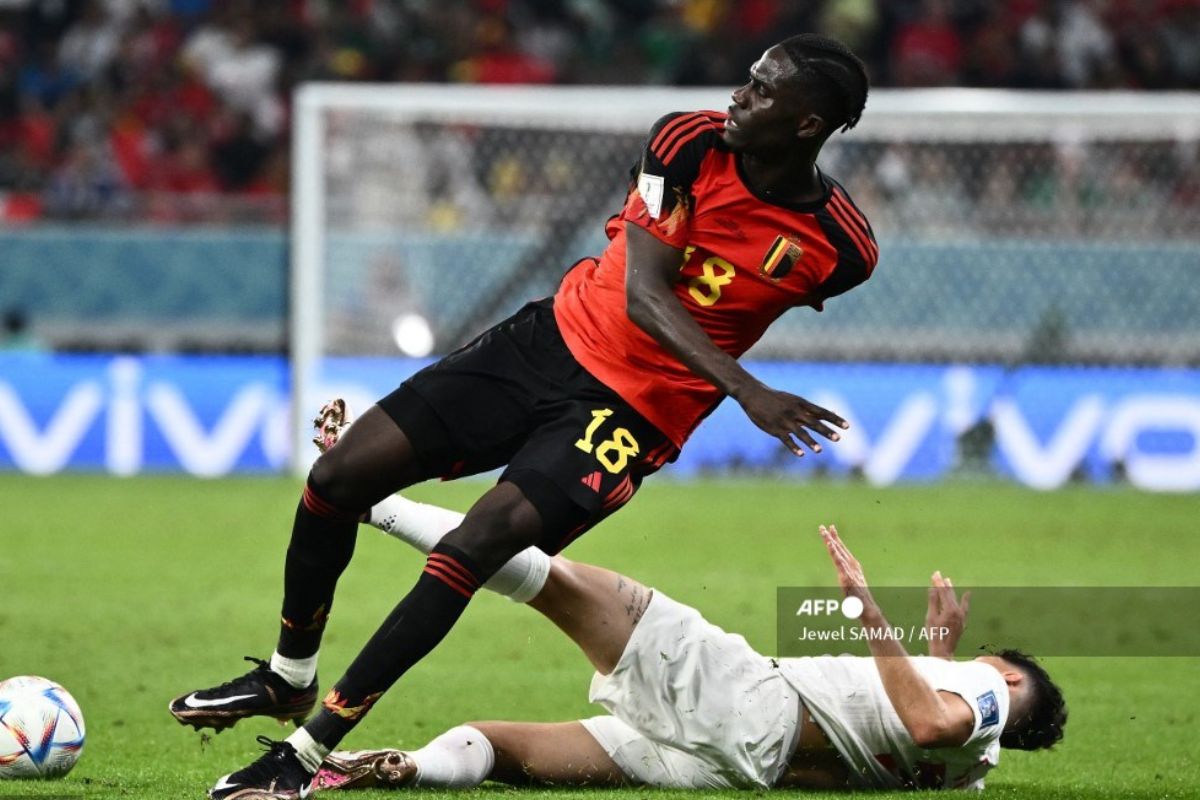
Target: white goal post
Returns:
[[399, 192]]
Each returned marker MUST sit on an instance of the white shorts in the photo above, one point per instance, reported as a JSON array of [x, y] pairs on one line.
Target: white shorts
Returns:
[[693, 706]]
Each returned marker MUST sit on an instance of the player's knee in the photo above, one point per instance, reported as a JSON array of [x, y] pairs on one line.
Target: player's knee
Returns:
[[498, 733], [493, 535], [490, 546], [330, 480], [562, 577], [556, 590]]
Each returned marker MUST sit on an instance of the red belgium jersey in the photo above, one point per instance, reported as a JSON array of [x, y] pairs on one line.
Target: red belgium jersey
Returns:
[[746, 261]]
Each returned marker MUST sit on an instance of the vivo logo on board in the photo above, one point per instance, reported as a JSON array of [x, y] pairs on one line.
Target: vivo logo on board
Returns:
[[1041, 426]]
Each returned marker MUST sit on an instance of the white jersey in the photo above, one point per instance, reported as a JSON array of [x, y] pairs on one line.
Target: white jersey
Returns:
[[847, 700]]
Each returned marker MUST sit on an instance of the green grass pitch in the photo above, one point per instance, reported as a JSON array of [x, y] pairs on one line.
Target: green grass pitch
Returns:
[[131, 591]]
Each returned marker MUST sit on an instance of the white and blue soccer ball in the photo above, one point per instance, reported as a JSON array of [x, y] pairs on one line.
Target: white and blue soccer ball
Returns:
[[41, 729]]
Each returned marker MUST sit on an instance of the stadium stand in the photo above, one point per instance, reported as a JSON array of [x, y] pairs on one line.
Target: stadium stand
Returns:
[[177, 111]]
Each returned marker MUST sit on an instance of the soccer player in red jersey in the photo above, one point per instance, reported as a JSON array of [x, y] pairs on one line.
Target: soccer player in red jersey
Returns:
[[728, 223]]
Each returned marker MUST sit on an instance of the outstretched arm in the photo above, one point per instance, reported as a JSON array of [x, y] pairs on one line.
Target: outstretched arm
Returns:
[[932, 718], [651, 271]]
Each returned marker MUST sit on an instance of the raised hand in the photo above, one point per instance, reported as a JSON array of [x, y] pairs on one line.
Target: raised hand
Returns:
[[850, 573], [788, 417], [946, 616]]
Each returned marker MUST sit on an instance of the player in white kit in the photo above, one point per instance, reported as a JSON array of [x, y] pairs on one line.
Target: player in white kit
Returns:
[[692, 706]]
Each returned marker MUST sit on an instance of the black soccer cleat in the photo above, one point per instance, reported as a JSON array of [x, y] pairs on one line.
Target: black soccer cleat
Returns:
[[365, 769], [258, 693], [276, 775]]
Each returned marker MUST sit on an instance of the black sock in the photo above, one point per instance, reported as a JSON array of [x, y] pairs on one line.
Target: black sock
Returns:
[[322, 544], [415, 626]]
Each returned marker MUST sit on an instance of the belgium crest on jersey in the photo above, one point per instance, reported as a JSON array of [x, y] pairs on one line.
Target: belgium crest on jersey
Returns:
[[781, 257]]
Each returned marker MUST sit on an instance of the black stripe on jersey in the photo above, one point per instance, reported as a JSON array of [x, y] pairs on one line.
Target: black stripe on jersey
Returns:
[[660, 129], [857, 218], [844, 215], [850, 201], [682, 127], [683, 131], [677, 147], [705, 132], [666, 127], [851, 269]]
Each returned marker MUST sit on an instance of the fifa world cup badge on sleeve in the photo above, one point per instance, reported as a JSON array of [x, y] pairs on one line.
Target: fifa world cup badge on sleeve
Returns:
[[650, 187], [989, 709]]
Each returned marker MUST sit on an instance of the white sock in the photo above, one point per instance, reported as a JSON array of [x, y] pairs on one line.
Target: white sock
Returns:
[[308, 750], [522, 577], [460, 758], [423, 526], [419, 524], [298, 672]]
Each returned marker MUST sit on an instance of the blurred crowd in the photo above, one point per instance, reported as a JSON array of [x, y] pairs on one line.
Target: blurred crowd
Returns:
[[178, 110]]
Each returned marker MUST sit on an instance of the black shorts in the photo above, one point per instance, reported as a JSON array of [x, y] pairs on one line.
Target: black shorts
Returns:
[[517, 396]]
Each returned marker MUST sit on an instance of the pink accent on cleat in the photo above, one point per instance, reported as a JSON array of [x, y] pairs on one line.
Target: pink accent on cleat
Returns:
[[331, 422], [364, 769], [327, 779]]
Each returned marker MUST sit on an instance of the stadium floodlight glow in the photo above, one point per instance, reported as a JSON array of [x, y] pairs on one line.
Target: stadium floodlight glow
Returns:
[[458, 203], [413, 335]]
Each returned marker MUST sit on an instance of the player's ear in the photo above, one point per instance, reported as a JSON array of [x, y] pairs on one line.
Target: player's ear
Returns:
[[810, 126], [1014, 678]]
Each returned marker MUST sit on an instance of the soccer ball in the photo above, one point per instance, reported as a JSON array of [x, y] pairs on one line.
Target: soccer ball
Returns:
[[41, 729]]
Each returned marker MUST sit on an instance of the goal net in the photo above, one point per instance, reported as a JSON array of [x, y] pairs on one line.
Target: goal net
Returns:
[[1014, 227]]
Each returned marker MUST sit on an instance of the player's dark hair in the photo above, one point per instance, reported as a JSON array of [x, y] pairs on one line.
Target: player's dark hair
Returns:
[[1042, 725], [835, 78]]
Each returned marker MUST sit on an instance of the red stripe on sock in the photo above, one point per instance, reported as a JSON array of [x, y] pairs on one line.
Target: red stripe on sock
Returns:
[[454, 568], [316, 505], [453, 583]]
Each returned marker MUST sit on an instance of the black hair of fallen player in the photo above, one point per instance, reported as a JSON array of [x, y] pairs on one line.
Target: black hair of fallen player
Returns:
[[1043, 726], [834, 78]]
